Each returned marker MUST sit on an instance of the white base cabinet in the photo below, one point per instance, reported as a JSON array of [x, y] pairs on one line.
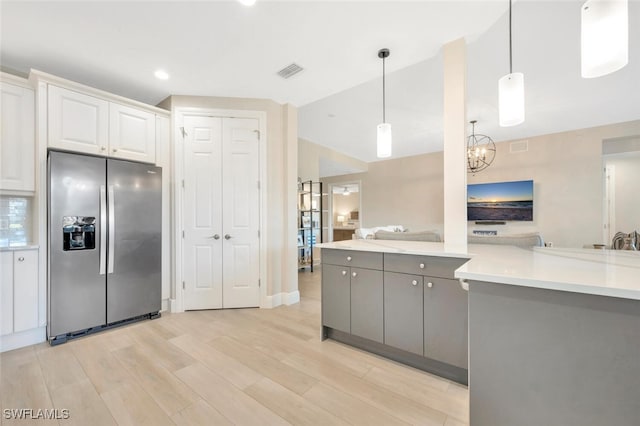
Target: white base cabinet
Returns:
[[19, 301]]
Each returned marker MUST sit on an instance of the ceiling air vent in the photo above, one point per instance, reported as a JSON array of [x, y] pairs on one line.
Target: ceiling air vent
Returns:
[[290, 70], [519, 146]]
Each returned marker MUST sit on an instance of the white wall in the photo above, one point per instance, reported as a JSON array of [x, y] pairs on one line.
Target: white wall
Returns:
[[309, 155], [567, 169]]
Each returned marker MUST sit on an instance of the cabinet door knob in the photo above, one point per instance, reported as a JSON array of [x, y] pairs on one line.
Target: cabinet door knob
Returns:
[[115, 150], [344, 272], [422, 266], [103, 148], [354, 274], [414, 282], [348, 258], [21, 259], [429, 284]]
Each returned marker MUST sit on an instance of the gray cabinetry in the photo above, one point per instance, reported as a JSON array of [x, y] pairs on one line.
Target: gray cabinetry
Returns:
[[367, 304], [336, 297], [402, 306], [445, 321], [403, 312], [352, 293]]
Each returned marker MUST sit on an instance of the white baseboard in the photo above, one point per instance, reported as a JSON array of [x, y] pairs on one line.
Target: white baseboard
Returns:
[[291, 298], [164, 307], [278, 299], [173, 306], [22, 339]]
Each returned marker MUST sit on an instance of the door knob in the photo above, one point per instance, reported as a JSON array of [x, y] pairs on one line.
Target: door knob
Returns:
[[227, 237], [414, 282], [216, 237], [429, 284], [21, 259]]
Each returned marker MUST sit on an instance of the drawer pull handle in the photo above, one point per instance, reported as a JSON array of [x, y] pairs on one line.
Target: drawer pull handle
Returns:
[[422, 266], [414, 282], [354, 274], [344, 272], [429, 284], [21, 259], [348, 258]]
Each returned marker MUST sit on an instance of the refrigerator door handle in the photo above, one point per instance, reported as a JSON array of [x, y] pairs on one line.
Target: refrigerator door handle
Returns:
[[103, 229], [112, 231]]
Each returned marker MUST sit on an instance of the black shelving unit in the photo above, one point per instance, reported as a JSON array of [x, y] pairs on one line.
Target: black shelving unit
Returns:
[[310, 221]]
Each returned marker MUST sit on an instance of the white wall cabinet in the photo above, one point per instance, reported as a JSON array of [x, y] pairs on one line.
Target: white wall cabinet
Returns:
[[132, 134], [77, 122], [19, 291], [83, 123], [17, 138]]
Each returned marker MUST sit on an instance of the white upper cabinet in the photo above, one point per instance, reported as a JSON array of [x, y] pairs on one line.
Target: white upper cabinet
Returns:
[[17, 138], [77, 122], [132, 134], [87, 120]]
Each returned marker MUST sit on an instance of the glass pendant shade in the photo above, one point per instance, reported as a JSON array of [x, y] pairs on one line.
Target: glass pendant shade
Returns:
[[384, 140], [605, 37], [511, 99]]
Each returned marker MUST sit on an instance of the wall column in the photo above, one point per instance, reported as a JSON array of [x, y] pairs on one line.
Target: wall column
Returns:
[[455, 119]]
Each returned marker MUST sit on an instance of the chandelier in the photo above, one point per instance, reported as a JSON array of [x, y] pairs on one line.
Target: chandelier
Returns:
[[481, 150]]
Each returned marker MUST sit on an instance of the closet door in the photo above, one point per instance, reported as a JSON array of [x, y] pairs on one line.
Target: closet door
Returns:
[[202, 213], [241, 212]]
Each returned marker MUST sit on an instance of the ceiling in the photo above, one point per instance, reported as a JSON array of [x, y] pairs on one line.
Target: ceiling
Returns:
[[221, 48]]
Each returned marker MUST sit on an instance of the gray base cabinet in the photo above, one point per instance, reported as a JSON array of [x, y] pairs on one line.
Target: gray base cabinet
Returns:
[[405, 307], [367, 304], [403, 312], [445, 321], [336, 297]]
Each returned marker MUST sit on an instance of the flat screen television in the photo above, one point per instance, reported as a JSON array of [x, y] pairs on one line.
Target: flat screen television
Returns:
[[500, 201]]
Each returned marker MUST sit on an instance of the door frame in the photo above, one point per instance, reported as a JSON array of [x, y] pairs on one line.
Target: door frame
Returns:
[[177, 224], [330, 207]]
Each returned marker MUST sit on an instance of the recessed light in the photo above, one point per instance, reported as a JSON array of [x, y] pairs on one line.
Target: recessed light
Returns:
[[247, 2], [161, 75]]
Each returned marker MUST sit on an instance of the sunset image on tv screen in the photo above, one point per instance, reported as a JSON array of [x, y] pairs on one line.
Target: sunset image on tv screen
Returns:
[[500, 201]]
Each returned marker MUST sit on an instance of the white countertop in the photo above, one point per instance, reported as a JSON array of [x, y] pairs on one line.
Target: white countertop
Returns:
[[23, 247], [612, 273]]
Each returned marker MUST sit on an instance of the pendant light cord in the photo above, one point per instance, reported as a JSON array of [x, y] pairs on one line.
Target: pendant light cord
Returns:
[[383, 91], [510, 50]]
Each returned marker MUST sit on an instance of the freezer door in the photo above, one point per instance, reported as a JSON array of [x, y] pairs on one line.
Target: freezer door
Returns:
[[134, 281], [77, 296]]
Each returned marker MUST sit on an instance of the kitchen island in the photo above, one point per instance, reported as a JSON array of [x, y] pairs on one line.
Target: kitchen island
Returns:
[[554, 334]]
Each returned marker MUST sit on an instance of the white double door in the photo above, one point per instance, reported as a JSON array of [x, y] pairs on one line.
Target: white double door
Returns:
[[221, 212]]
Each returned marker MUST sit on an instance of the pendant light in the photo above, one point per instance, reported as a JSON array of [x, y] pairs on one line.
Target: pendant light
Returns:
[[511, 92], [604, 37], [384, 129], [481, 150]]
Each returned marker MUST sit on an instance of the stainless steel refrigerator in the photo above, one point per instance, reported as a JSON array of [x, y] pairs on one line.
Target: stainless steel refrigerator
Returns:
[[104, 222]]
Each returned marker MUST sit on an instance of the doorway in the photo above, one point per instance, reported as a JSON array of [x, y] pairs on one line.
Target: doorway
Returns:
[[621, 158], [346, 212]]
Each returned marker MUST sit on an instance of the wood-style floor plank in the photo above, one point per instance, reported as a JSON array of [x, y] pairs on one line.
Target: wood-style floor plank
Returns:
[[225, 367]]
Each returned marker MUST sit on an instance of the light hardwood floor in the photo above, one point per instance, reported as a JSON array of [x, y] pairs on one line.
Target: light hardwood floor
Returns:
[[240, 366]]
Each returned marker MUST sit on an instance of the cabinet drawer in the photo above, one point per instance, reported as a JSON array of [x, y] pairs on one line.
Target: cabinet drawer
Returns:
[[422, 265], [358, 259]]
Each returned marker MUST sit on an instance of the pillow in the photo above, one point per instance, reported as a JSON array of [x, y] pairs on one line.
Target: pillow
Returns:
[[429, 236]]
